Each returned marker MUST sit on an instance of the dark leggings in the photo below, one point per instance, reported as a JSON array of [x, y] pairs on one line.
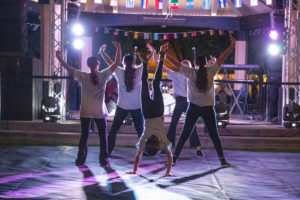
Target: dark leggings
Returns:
[[152, 108], [83, 143], [209, 116]]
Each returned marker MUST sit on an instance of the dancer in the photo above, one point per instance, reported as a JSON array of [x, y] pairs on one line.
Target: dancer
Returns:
[[153, 138], [180, 94], [201, 99], [92, 102], [129, 96]]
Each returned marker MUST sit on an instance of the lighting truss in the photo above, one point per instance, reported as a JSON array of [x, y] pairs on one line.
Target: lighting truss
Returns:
[[57, 86], [291, 65]]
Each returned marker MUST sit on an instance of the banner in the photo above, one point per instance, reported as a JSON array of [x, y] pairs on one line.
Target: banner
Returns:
[[116, 32], [222, 3], [175, 35], [174, 4], [189, 4], [158, 4], [193, 34], [253, 3], [136, 35], [206, 4], [166, 36], [106, 30], [237, 3], [129, 3], [113, 2], [155, 36], [144, 4], [126, 33], [146, 36]]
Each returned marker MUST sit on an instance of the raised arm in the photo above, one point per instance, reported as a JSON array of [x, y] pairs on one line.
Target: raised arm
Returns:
[[169, 165], [117, 61], [104, 55], [227, 51], [136, 162], [64, 64], [174, 62]]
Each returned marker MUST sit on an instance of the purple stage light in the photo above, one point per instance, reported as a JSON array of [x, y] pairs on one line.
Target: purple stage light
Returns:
[[273, 35]]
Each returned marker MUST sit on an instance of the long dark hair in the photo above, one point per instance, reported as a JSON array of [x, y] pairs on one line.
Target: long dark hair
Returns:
[[92, 63], [201, 77], [129, 74]]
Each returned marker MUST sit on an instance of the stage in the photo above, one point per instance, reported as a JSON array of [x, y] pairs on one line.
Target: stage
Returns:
[[43, 172]]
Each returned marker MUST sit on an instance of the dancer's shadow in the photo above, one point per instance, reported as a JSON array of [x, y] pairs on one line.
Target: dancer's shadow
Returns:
[[117, 187], [91, 186], [189, 178]]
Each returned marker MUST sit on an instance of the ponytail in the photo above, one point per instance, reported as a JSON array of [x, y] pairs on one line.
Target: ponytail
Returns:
[[201, 76], [92, 63], [129, 72]]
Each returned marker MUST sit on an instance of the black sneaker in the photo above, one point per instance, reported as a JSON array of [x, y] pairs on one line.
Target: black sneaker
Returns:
[[199, 153], [163, 153], [174, 160], [224, 163]]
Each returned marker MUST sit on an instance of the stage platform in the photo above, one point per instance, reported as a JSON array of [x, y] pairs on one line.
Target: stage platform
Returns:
[[241, 134], [48, 172]]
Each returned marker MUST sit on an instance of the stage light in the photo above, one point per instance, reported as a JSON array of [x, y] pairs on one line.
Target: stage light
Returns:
[[78, 44], [273, 49], [273, 35], [77, 29]]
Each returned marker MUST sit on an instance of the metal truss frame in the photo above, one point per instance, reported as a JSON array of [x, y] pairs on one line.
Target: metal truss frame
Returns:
[[57, 85], [291, 64]]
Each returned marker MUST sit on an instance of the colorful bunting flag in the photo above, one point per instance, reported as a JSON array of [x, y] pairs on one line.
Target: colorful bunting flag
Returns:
[[126, 33], [189, 4], [144, 4], [175, 35], [113, 2], [221, 32], [166, 36], [237, 3], [253, 3], [184, 34], [129, 3], [211, 32], [146, 36], [158, 4], [136, 35], [269, 2], [222, 3], [155, 36], [193, 34], [116, 32], [174, 4], [202, 32], [206, 4], [106, 30]]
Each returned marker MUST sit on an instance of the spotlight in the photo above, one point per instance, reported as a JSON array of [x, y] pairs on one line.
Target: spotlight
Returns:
[[273, 35], [78, 44], [77, 29], [273, 49]]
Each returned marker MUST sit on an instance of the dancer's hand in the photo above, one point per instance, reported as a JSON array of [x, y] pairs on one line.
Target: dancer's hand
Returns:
[[131, 172], [211, 60], [143, 57], [102, 48], [164, 47], [150, 48], [116, 44], [169, 175]]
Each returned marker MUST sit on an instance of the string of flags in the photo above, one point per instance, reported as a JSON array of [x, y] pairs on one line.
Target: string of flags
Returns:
[[165, 36], [189, 4]]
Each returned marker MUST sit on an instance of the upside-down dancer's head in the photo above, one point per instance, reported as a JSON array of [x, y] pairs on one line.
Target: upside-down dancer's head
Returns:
[[152, 145], [93, 63]]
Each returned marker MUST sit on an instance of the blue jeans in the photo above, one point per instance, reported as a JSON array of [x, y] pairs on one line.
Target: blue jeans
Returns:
[[209, 116], [120, 115], [180, 107], [83, 143]]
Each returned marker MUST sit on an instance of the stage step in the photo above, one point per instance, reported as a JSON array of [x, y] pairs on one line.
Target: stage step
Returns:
[[241, 130], [33, 137]]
